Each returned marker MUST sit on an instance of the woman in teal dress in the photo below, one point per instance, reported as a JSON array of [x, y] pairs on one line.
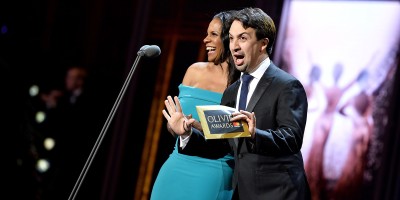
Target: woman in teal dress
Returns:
[[204, 175]]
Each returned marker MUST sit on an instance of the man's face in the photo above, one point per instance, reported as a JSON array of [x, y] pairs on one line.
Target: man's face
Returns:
[[247, 51], [74, 79]]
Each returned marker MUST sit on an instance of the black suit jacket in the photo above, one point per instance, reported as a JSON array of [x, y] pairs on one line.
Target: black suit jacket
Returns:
[[270, 166]]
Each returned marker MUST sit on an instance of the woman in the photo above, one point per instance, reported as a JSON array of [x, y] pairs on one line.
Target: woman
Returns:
[[208, 174]]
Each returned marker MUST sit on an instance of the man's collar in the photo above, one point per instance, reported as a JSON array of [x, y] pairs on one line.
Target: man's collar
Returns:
[[261, 68]]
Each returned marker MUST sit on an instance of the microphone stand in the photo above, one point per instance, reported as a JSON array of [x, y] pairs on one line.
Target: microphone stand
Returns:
[[104, 129]]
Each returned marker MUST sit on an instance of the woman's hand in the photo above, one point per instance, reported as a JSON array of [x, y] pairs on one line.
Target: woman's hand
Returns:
[[177, 121]]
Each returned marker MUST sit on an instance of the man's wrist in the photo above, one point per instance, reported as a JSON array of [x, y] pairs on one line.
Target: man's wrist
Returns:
[[184, 139], [187, 133]]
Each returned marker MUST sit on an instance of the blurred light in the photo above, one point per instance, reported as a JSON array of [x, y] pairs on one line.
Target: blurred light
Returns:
[[4, 29], [40, 117], [49, 143], [19, 162], [34, 90], [42, 165]]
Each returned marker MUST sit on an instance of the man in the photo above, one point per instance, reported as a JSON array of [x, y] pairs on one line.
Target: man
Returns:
[[71, 117], [269, 165]]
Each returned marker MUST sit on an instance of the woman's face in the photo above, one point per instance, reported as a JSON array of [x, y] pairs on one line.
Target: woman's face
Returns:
[[213, 41]]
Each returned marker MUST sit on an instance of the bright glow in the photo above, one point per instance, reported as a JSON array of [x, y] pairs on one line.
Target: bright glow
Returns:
[[358, 35], [49, 143], [42, 165], [40, 117], [344, 53], [33, 90]]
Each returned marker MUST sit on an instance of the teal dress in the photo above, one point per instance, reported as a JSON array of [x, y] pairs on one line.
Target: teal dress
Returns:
[[184, 177]]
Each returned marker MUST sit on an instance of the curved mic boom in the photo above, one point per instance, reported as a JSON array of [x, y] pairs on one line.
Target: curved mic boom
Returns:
[[149, 51], [146, 50]]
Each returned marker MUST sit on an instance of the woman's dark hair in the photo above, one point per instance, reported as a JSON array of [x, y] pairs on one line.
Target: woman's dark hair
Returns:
[[226, 18]]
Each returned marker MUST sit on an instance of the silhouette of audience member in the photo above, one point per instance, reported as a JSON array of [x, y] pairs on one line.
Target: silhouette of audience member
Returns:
[[71, 120], [74, 86]]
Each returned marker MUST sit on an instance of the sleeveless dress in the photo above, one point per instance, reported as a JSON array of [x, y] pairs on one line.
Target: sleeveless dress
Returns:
[[184, 177]]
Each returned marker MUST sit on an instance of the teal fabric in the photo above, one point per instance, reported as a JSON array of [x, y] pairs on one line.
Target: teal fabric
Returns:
[[184, 177], [190, 97]]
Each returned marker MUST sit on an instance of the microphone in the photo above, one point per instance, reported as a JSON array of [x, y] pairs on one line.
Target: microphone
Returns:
[[146, 50], [149, 51]]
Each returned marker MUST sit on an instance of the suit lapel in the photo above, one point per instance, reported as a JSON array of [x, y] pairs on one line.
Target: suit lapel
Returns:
[[262, 86], [236, 90]]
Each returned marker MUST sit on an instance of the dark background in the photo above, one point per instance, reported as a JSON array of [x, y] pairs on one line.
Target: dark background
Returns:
[[40, 39]]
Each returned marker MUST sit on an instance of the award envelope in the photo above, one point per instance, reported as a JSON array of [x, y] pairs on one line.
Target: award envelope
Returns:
[[216, 124]]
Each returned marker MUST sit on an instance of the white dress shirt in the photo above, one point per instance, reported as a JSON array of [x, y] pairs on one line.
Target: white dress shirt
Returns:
[[257, 74]]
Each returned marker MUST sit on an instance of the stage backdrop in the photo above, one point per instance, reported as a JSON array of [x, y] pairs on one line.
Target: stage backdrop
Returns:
[[345, 53]]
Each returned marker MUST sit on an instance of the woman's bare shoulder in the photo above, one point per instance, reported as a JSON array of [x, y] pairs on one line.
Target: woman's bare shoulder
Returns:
[[198, 66], [194, 72]]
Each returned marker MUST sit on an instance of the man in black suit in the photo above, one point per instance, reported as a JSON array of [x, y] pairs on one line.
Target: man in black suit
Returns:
[[269, 164]]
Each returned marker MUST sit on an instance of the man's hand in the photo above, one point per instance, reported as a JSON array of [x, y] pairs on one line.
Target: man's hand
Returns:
[[250, 118]]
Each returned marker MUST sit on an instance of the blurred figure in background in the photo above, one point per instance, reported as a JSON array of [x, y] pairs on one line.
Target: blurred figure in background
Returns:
[[74, 86], [71, 123]]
